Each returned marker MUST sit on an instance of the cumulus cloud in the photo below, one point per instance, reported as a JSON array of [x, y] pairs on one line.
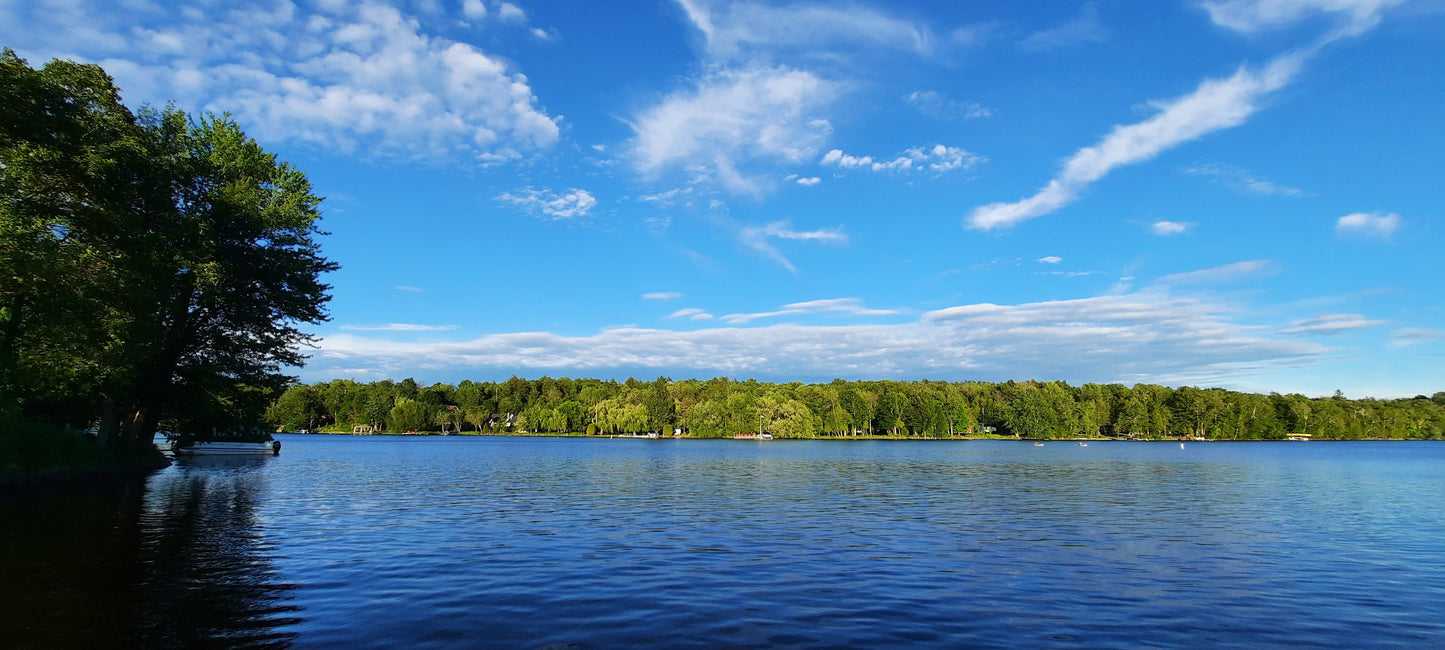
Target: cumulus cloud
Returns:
[[1331, 324], [759, 239], [474, 9], [347, 76], [937, 159], [1171, 228], [1254, 15], [936, 105], [1241, 180], [1086, 28], [1368, 224], [733, 117], [1141, 337], [1238, 271], [552, 205], [661, 295], [809, 181], [1216, 104], [848, 306]]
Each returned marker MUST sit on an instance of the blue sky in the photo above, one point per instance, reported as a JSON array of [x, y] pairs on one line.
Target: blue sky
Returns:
[[1221, 192]]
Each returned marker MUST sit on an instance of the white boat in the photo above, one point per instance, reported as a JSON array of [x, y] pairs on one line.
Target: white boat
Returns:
[[1038, 444], [272, 448], [765, 436]]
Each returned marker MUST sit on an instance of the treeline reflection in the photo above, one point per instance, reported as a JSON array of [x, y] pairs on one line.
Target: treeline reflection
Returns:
[[178, 560]]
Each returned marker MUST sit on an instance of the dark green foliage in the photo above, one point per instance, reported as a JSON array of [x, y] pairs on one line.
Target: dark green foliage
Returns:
[[154, 268]]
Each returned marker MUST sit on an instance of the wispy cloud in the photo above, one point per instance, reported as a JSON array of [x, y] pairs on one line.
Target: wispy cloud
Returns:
[[1216, 104], [1412, 335], [759, 239], [938, 106], [740, 29], [1241, 180], [1141, 337], [1331, 324], [661, 295], [398, 327], [409, 289], [691, 313], [1171, 228], [731, 118], [1255, 15], [1368, 224], [1051, 259], [568, 204], [1238, 271], [1086, 28], [938, 159], [809, 181], [849, 306]]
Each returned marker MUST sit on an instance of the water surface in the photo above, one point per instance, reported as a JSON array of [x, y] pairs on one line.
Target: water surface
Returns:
[[533, 542]]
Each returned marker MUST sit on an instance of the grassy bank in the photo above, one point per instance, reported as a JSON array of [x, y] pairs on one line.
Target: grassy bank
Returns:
[[32, 452]]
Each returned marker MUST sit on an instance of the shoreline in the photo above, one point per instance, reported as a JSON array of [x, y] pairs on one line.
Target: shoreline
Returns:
[[837, 438]]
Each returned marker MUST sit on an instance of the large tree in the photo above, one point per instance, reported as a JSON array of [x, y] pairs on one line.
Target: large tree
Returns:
[[162, 264]]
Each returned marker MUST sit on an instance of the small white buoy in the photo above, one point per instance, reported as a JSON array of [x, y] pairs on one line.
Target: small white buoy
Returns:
[[1181, 445]]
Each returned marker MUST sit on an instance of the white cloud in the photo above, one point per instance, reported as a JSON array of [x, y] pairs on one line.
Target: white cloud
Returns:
[[511, 13], [409, 289], [1331, 324], [937, 159], [1411, 335], [1238, 271], [1216, 104], [1051, 259], [746, 29], [544, 202], [1171, 228], [399, 327], [340, 76], [935, 105], [848, 306], [758, 238], [1084, 29], [1241, 180], [731, 118], [691, 313], [1141, 337], [474, 9], [1255, 15], [809, 181], [661, 295], [1368, 224]]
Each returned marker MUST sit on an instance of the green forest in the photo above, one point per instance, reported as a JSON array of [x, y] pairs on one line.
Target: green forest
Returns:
[[723, 408]]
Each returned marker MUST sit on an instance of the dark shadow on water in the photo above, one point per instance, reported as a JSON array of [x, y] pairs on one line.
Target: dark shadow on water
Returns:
[[175, 560]]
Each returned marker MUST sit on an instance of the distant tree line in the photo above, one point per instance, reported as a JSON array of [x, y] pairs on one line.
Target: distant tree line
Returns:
[[724, 407]]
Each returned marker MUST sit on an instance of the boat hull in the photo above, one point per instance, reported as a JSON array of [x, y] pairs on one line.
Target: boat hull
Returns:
[[226, 449]]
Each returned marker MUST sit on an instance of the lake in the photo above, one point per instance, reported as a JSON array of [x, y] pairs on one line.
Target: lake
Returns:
[[596, 543]]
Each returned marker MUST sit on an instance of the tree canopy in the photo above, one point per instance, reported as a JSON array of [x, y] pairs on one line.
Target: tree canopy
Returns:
[[154, 267], [723, 407]]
